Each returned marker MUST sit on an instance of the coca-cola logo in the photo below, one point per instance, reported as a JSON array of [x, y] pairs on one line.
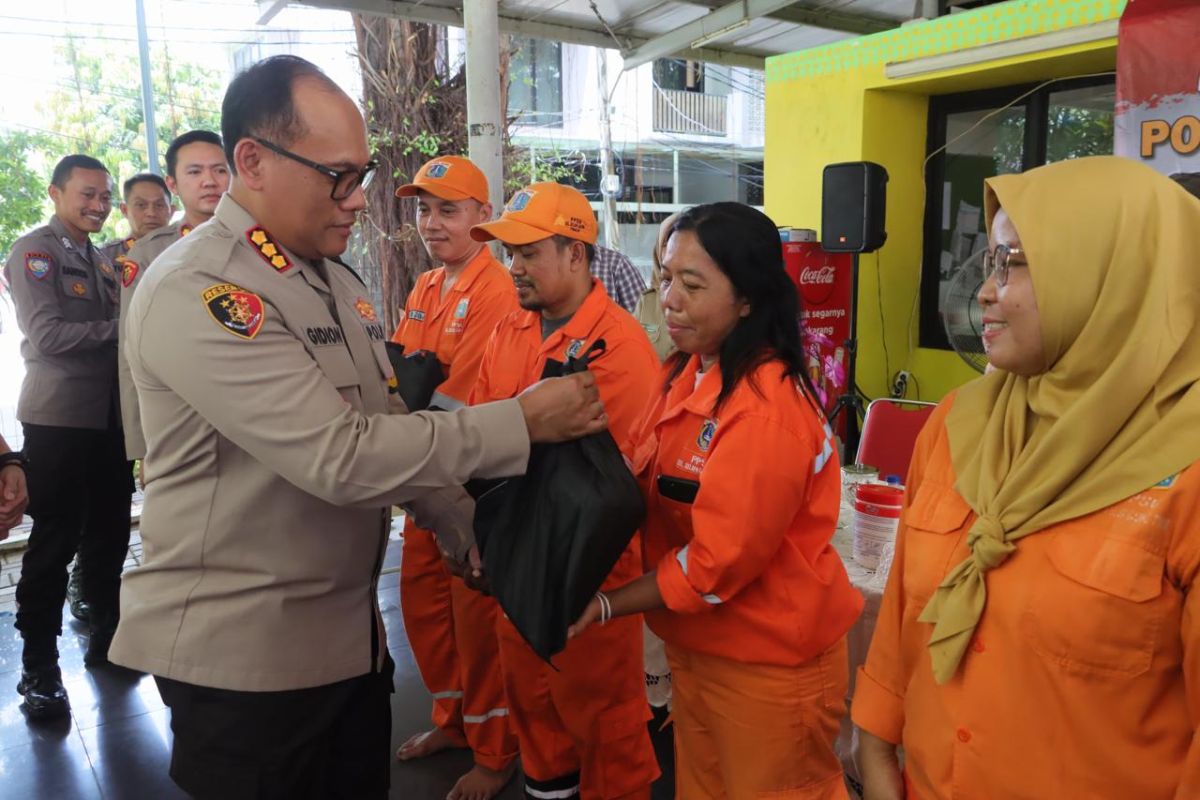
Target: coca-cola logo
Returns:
[[811, 277]]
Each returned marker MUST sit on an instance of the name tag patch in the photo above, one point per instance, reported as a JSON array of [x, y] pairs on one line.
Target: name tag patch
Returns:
[[324, 335], [419, 316]]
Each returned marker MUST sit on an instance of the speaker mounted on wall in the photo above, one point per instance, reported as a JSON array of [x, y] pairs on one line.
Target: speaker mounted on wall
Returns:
[[853, 207]]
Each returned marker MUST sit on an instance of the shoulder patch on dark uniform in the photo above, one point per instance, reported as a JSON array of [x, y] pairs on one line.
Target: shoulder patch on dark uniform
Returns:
[[38, 264], [236, 310], [261, 241]]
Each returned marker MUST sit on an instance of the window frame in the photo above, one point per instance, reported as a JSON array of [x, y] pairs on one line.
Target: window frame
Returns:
[[932, 334]]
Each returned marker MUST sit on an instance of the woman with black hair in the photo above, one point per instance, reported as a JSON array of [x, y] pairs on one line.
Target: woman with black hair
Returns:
[[741, 481]]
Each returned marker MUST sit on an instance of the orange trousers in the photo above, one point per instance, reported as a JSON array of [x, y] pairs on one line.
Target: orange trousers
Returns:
[[582, 727], [452, 632], [750, 731]]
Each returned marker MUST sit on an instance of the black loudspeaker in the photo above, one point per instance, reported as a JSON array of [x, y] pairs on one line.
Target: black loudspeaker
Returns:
[[853, 207]]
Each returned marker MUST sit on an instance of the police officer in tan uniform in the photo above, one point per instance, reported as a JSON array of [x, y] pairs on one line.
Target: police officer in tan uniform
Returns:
[[65, 293], [198, 173], [271, 459], [146, 206]]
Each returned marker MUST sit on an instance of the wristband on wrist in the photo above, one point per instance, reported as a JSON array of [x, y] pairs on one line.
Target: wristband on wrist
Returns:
[[14, 458]]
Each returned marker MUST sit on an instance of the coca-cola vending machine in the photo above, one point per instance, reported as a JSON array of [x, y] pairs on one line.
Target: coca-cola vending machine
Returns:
[[824, 281]]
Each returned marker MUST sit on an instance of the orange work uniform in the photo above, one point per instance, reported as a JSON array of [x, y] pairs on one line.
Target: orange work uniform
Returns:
[[450, 627], [1083, 677], [582, 726], [741, 506]]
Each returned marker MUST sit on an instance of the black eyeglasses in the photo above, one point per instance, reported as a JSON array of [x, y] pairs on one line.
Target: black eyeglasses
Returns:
[[344, 181], [998, 260]]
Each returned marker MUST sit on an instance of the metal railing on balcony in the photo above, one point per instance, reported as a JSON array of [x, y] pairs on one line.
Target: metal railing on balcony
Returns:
[[678, 111]]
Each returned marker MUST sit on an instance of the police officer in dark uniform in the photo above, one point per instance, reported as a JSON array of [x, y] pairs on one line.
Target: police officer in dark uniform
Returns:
[[66, 297]]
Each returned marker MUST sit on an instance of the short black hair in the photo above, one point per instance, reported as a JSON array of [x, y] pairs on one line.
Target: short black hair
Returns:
[[259, 102], [565, 241], [145, 177], [67, 164], [183, 140]]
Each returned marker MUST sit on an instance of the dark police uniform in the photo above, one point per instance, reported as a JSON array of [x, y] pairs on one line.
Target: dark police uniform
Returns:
[[67, 299]]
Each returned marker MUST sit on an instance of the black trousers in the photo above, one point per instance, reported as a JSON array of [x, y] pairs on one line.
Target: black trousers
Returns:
[[326, 743], [79, 493]]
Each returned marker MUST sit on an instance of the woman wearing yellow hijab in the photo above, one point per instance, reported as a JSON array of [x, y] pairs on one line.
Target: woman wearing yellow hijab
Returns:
[[1039, 637]]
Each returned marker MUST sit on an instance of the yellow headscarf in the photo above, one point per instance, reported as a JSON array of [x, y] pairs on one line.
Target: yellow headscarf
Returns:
[[1114, 255]]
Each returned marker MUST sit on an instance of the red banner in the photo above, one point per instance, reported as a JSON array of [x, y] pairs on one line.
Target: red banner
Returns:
[[824, 281], [1158, 84]]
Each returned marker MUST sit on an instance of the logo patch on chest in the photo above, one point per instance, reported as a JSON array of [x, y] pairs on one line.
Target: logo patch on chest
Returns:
[[460, 311], [236, 310], [707, 431], [365, 309]]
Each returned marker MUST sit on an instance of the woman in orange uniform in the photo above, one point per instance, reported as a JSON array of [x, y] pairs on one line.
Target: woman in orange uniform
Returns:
[[741, 482], [1040, 632]]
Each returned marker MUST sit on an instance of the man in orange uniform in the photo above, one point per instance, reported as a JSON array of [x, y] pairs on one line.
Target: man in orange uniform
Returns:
[[581, 724], [451, 312]]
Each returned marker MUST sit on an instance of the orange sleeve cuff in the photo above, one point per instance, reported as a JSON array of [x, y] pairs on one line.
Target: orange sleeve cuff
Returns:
[[677, 593], [876, 709]]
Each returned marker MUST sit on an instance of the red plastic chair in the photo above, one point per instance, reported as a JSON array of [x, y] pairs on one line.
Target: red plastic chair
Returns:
[[890, 433]]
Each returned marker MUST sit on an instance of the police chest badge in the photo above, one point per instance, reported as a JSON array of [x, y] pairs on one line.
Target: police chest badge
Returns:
[[707, 431], [365, 309], [79, 288], [37, 265], [106, 268], [129, 272], [236, 310]]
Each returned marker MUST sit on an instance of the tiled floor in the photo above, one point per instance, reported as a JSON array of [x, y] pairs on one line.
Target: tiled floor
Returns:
[[117, 743]]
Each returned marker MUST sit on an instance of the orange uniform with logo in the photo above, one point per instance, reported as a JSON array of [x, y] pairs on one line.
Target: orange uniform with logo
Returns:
[[451, 628], [741, 506], [1083, 677], [582, 726]]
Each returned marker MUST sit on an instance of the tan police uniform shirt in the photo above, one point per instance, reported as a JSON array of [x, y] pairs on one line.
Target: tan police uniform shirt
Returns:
[[271, 459], [131, 266], [117, 248], [66, 302]]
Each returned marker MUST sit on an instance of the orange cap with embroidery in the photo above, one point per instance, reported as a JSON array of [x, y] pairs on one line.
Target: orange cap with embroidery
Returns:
[[450, 178], [539, 211]]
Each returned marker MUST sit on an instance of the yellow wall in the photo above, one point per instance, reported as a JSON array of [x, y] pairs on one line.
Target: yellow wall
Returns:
[[835, 103]]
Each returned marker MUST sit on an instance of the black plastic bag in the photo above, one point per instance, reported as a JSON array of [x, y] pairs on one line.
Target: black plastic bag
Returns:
[[417, 375], [549, 538]]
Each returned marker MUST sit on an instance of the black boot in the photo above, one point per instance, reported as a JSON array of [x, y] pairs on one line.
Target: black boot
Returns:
[[80, 609], [103, 628], [41, 682]]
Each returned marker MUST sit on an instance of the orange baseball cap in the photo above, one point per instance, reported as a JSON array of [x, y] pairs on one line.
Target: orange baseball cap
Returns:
[[539, 211], [450, 178]]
